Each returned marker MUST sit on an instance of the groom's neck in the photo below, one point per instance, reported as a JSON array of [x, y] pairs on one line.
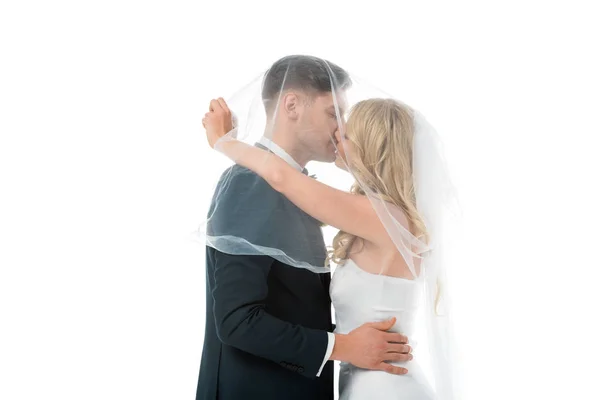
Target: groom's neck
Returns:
[[292, 146]]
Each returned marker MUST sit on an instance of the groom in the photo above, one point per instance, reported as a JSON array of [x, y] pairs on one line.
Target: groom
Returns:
[[268, 325]]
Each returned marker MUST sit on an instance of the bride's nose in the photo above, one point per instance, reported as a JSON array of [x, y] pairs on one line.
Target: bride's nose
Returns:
[[337, 135]]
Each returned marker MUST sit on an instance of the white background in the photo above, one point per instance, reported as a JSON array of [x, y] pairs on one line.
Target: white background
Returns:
[[103, 176]]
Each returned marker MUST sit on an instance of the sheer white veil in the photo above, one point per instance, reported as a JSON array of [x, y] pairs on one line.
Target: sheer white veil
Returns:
[[238, 223]]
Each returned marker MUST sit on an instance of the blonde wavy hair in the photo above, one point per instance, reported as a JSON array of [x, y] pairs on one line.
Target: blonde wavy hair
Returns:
[[381, 133]]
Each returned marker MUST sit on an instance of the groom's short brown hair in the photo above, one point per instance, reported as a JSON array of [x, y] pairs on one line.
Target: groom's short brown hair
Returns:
[[306, 73]]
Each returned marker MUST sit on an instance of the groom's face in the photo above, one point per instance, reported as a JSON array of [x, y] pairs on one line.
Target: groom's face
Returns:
[[319, 123]]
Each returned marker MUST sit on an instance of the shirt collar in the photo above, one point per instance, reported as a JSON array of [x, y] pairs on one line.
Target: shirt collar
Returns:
[[269, 144]]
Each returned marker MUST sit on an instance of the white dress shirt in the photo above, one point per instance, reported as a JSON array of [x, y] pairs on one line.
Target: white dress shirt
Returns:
[[273, 147]]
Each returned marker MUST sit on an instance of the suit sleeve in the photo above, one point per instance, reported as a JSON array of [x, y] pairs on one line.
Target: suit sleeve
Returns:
[[242, 322], [241, 288]]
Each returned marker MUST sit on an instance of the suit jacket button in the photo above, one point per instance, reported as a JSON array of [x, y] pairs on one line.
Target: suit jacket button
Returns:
[[283, 364], [300, 369]]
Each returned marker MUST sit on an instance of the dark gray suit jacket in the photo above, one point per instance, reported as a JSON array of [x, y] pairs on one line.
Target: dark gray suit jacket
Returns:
[[266, 322]]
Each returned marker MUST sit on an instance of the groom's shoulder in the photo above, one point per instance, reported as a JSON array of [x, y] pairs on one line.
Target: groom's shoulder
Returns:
[[241, 180], [236, 174]]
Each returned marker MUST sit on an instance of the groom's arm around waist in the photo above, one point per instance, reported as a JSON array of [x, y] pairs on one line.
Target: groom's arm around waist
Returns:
[[242, 322]]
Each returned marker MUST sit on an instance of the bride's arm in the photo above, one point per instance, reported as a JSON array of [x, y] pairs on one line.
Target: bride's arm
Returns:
[[349, 212]]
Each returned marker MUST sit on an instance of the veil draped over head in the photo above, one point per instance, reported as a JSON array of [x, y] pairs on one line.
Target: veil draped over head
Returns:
[[313, 100]]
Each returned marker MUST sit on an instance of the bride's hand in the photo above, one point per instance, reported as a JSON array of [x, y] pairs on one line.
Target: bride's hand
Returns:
[[218, 121]]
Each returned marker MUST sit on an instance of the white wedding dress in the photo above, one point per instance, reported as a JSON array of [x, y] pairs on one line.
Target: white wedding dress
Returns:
[[358, 297]]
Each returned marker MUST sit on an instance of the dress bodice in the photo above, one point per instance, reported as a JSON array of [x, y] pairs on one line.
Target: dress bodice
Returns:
[[359, 296]]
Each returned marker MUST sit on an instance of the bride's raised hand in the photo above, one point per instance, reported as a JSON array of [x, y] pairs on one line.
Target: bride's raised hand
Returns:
[[218, 121]]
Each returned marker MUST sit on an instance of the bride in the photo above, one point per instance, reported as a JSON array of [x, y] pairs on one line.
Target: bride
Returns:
[[383, 244]]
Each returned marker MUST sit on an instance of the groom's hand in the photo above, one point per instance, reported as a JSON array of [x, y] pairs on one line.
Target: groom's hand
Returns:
[[371, 347]]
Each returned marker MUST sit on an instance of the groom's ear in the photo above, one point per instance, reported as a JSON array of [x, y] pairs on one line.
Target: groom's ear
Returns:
[[291, 105]]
